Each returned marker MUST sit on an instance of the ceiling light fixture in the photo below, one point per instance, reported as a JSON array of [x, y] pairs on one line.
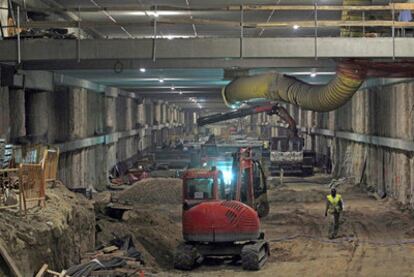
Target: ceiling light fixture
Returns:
[[313, 74], [295, 27], [172, 88], [142, 70], [154, 14], [161, 80], [170, 37]]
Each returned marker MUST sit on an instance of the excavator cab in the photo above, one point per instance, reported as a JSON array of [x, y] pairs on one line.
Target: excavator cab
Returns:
[[200, 185], [249, 182]]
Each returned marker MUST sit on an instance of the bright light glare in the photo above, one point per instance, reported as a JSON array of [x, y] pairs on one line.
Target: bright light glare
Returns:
[[295, 27], [313, 74], [142, 69], [161, 80], [227, 176]]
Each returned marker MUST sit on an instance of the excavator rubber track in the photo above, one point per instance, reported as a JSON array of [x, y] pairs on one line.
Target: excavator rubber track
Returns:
[[255, 255], [186, 256]]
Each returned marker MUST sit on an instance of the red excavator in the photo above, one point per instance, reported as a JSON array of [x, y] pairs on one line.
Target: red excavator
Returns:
[[220, 224]]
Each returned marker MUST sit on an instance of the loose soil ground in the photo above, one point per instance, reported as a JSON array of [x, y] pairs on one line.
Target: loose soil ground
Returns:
[[376, 238]]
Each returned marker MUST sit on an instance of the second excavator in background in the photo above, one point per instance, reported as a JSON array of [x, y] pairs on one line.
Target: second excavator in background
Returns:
[[287, 153]]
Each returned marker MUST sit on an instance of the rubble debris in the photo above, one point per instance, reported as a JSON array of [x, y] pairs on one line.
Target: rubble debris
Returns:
[[119, 257], [120, 174]]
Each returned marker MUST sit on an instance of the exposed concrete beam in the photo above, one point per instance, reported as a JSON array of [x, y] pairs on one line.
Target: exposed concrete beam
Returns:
[[128, 64], [217, 48], [184, 95]]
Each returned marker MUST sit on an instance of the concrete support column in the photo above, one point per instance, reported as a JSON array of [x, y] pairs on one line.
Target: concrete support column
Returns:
[[4, 113], [158, 112], [170, 113], [128, 114], [168, 109], [37, 116], [149, 113], [164, 118], [176, 116], [141, 115], [77, 113], [110, 114], [189, 123], [3, 15], [17, 113]]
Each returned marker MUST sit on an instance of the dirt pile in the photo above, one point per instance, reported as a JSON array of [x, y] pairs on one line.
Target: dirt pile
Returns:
[[156, 232], [57, 234], [152, 218], [151, 191]]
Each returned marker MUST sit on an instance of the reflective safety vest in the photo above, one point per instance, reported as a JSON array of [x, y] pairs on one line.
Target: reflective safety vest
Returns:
[[334, 203]]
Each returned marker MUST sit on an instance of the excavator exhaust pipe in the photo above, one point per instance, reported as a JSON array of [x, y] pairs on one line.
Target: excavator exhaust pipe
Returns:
[[278, 87]]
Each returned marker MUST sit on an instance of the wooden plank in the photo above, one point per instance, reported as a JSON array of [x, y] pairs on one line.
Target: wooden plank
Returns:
[[110, 249], [42, 271], [10, 262], [331, 23], [251, 7], [5, 170], [54, 273], [397, 6], [277, 24]]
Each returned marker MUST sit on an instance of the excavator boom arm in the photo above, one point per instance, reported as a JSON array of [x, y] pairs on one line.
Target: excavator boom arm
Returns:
[[270, 109]]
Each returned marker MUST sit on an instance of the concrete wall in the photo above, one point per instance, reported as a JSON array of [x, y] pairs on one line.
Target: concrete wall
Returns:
[[386, 111], [73, 115], [4, 113]]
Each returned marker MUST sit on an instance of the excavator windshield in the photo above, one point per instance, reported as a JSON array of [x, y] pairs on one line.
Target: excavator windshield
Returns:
[[200, 188]]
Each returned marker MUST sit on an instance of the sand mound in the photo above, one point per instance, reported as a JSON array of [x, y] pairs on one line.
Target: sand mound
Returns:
[[152, 191]]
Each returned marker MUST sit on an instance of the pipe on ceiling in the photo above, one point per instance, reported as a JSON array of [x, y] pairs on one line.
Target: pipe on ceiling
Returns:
[[278, 87]]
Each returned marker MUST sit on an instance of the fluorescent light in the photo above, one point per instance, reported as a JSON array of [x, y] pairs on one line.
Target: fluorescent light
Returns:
[[313, 74], [172, 88], [170, 37], [295, 27], [154, 14], [161, 80], [142, 69], [181, 92]]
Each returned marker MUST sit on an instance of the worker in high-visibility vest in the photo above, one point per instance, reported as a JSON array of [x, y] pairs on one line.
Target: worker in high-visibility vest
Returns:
[[334, 206]]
